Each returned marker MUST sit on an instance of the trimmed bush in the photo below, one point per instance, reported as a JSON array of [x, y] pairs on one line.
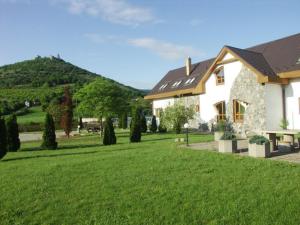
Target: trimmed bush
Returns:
[[109, 136], [143, 124], [153, 127], [259, 140], [228, 136], [3, 138], [135, 127], [49, 137], [13, 141], [124, 121]]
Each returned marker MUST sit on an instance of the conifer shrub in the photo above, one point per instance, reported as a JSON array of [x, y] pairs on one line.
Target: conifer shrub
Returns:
[[135, 126], [143, 123], [13, 140], [3, 138], [109, 136], [49, 137], [124, 121], [153, 127]]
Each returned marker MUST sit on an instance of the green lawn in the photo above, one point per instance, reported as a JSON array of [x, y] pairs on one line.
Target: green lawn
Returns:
[[35, 115], [152, 182]]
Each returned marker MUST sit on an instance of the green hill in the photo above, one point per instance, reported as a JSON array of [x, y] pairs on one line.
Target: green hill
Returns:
[[42, 79]]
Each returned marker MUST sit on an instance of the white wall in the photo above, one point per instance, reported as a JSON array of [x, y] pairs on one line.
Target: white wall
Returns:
[[216, 93], [161, 104], [274, 106], [292, 93]]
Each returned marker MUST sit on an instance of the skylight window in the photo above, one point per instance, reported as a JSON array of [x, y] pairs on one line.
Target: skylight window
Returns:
[[176, 84], [298, 62], [162, 87], [189, 81]]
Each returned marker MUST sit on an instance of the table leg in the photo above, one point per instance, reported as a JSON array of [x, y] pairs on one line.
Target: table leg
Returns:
[[272, 137]]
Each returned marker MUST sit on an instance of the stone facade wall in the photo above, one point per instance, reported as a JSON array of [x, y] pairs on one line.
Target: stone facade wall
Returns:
[[246, 89]]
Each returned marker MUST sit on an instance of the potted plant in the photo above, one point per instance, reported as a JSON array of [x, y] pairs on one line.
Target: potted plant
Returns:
[[219, 130], [228, 143], [259, 146]]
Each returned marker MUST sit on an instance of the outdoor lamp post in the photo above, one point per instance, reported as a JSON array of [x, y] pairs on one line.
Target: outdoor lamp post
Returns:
[[186, 126]]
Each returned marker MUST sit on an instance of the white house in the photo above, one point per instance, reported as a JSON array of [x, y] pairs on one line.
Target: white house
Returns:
[[254, 88]]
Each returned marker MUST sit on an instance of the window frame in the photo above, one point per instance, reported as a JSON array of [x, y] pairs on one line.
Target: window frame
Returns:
[[220, 80], [222, 116], [238, 117]]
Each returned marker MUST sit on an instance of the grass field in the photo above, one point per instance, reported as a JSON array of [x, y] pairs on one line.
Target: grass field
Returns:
[[152, 182], [35, 115]]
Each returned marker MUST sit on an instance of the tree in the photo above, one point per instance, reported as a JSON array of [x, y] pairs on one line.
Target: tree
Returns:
[[109, 137], [55, 109], [49, 137], [102, 98], [135, 126], [13, 141], [3, 138], [176, 115], [162, 127], [153, 127], [124, 121], [143, 123], [67, 109]]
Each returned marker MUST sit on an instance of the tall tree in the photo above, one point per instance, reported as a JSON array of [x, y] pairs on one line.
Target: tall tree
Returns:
[[135, 126], [13, 140], [67, 109], [109, 137], [102, 98], [176, 115], [153, 126], [3, 138], [49, 137], [143, 123], [124, 121]]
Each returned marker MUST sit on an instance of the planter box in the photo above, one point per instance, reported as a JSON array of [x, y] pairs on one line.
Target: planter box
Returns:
[[218, 135], [259, 151], [227, 146]]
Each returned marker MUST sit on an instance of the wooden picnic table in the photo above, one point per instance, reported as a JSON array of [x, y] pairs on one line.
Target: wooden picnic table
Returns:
[[272, 135]]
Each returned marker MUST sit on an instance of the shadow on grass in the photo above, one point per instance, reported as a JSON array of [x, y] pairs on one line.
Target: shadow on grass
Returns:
[[32, 149], [68, 154], [157, 139]]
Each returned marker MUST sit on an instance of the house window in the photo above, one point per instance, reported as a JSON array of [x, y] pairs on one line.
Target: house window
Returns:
[[162, 87], [189, 81], [220, 75], [197, 108], [221, 109], [176, 84], [238, 111]]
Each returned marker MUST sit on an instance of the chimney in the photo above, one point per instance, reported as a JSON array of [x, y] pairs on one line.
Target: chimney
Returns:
[[188, 66]]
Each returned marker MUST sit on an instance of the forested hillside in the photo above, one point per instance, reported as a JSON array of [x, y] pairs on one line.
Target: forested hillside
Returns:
[[42, 79]]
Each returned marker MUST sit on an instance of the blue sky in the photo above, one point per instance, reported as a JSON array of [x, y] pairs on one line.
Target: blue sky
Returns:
[[136, 42]]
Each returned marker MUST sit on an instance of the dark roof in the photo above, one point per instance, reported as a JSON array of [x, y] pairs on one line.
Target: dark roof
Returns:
[[269, 58], [255, 59], [198, 70]]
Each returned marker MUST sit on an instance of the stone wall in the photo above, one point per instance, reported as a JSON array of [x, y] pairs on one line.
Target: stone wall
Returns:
[[246, 89]]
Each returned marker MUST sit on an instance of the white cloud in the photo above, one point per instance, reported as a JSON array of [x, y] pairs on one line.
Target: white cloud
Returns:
[[165, 49], [115, 11]]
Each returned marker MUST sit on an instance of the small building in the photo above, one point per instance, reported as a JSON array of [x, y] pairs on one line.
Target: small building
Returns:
[[254, 88]]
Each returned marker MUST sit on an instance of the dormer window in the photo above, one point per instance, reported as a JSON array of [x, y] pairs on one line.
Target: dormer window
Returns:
[[219, 72], [162, 87], [189, 81], [176, 84]]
